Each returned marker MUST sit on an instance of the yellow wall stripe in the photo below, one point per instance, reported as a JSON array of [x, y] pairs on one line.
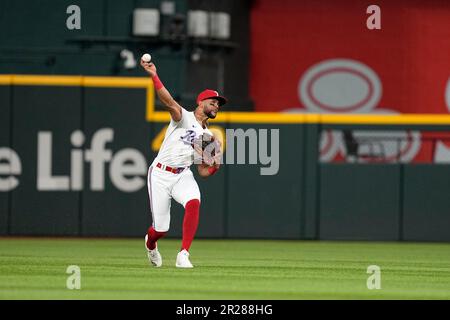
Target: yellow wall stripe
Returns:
[[85, 81], [158, 116], [285, 118], [150, 100], [5, 79], [46, 80], [385, 119], [114, 82], [223, 116], [260, 117]]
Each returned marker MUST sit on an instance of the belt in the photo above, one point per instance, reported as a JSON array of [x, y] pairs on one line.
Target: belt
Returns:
[[170, 169]]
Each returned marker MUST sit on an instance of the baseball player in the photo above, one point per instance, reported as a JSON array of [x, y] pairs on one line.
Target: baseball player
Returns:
[[169, 176]]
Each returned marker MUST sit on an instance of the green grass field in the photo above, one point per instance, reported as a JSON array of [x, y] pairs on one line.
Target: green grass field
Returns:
[[35, 268]]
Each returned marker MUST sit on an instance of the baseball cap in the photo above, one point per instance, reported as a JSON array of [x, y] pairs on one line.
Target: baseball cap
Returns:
[[211, 94]]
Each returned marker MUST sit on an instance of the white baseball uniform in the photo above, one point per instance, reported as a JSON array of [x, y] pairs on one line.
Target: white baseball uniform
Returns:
[[176, 152]]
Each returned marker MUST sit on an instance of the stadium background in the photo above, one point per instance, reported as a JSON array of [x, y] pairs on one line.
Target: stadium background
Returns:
[[278, 58]]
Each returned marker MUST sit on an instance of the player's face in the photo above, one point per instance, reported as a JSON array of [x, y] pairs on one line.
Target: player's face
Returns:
[[211, 107]]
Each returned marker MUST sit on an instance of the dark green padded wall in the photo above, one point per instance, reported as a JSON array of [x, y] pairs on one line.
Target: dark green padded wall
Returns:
[[57, 110], [267, 206], [5, 115], [114, 212], [305, 200], [426, 203], [309, 223], [359, 202]]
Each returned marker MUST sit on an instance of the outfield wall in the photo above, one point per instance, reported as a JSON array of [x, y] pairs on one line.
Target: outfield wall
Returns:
[[84, 143]]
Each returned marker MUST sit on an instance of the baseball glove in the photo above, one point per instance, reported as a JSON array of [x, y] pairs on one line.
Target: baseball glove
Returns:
[[207, 146]]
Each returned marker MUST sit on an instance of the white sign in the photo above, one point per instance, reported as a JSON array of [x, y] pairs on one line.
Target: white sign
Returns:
[[127, 167]]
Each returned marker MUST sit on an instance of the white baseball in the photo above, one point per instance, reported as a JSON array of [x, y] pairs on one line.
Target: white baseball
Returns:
[[146, 57]]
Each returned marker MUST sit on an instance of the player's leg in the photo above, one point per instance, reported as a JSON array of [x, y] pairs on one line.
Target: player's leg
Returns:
[[187, 193], [160, 201]]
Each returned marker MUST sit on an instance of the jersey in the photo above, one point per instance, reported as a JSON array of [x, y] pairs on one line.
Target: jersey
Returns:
[[176, 149]]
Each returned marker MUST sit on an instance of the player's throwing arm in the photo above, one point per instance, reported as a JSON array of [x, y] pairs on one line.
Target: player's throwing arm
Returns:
[[163, 94]]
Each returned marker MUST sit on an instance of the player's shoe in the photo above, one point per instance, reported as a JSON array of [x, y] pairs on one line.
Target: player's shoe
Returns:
[[183, 260], [153, 255]]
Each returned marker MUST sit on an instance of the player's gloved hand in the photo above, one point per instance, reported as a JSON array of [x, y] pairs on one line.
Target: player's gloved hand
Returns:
[[208, 158], [207, 148], [218, 155]]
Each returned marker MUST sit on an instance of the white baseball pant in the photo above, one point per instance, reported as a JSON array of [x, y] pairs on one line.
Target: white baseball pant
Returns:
[[162, 187]]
